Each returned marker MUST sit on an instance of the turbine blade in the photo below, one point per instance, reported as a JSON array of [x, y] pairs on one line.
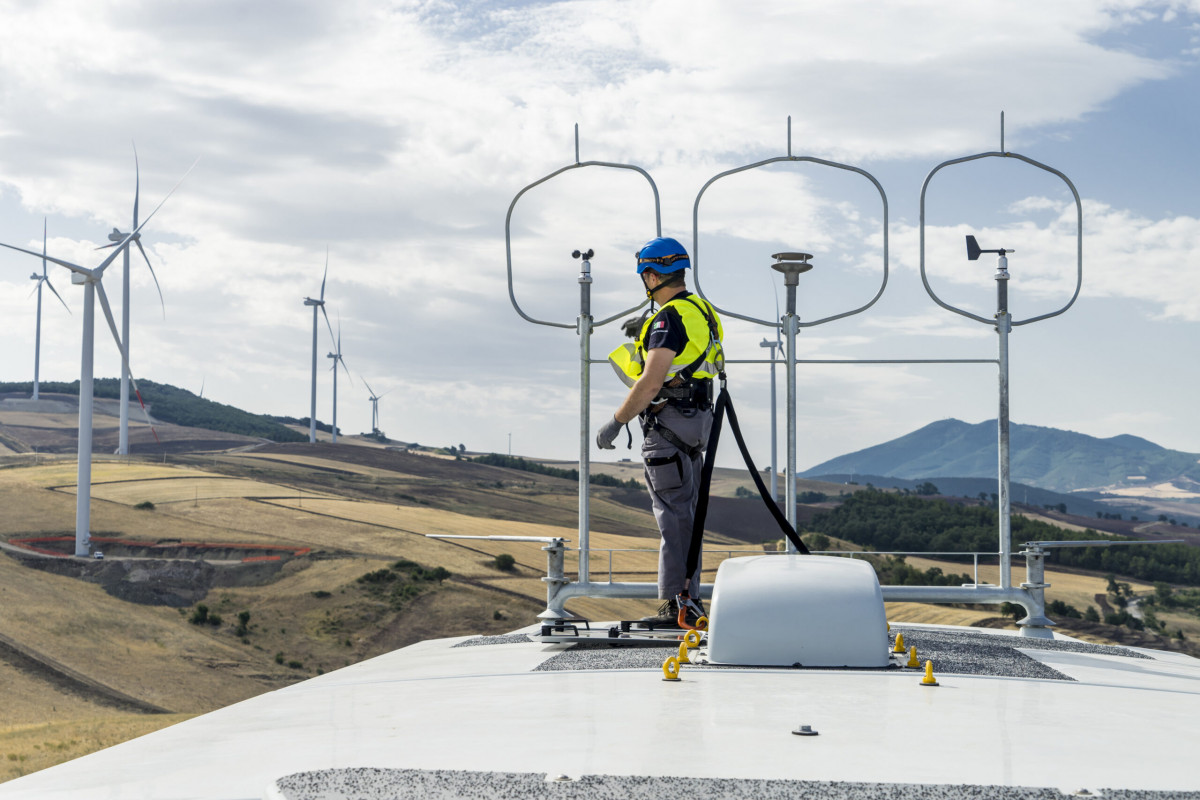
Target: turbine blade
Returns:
[[342, 361], [51, 259], [327, 324], [160, 205], [137, 185], [43, 247], [326, 275], [56, 294], [369, 389], [121, 245], [33, 291], [142, 250], [112, 326]]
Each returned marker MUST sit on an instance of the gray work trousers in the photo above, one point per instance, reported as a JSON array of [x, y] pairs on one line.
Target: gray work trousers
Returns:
[[673, 479]]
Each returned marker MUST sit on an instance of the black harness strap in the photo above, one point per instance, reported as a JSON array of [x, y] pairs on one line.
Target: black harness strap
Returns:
[[652, 423], [724, 403], [663, 461]]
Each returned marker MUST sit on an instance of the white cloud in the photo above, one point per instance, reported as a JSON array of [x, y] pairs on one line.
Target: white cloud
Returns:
[[398, 133]]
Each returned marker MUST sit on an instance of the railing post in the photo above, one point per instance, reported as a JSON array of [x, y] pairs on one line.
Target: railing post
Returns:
[[555, 580], [1036, 624]]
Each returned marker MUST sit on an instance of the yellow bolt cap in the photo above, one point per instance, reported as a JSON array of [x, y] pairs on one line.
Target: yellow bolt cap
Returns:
[[929, 680]]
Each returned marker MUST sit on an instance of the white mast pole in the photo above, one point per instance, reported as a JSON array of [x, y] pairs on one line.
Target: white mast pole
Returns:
[[83, 487]]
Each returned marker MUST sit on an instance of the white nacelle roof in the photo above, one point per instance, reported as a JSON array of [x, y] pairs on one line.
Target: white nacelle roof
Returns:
[[811, 611]]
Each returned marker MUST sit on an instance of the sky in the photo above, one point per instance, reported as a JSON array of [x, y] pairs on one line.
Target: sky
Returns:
[[395, 137]]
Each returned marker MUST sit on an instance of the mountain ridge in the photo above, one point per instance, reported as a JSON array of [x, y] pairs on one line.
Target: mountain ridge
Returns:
[[1048, 458]]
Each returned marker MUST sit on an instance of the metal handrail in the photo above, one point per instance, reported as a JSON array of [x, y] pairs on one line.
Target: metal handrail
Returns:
[[975, 554]]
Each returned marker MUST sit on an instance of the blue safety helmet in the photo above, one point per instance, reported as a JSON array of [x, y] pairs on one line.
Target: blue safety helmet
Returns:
[[662, 255]]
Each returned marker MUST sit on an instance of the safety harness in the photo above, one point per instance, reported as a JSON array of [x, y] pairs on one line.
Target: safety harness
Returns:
[[687, 393]]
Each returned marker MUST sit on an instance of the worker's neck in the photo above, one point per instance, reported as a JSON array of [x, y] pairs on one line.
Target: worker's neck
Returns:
[[664, 293]]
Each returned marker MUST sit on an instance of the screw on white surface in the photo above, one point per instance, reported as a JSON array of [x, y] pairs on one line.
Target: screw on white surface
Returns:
[[805, 730], [557, 778]]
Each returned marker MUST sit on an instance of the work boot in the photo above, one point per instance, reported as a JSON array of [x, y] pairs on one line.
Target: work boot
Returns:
[[667, 615], [693, 609]]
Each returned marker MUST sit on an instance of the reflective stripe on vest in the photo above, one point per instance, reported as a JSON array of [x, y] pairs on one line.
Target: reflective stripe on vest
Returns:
[[629, 359]]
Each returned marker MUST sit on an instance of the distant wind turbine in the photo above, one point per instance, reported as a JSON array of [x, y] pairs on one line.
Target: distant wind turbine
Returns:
[[337, 359], [318, 303], [37, 340], [115, 237], [91, 280], [374, 406]]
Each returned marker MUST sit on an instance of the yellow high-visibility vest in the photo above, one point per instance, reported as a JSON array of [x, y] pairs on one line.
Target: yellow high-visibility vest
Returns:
[[629, 360]]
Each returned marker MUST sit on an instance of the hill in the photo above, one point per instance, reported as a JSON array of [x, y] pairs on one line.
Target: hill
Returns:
[[170, 404], [1047, 458]]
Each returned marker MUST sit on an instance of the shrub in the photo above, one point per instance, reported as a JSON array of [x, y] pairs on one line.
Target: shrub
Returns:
[[145, 505], [321, 594], [816, 541], [199, 615], [505, 563], [378, 576], [295, 664], [1063, 609], [279, 658], [243, 625], [1091, 614], [215, 620]]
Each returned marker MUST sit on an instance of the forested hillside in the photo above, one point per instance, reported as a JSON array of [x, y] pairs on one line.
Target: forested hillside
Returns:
[[176, 406], [885, 521]]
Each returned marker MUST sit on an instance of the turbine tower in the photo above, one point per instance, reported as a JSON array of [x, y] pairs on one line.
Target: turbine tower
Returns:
[[318, 303], [115, 237], [91, 280], [337, 359], [37, 339]]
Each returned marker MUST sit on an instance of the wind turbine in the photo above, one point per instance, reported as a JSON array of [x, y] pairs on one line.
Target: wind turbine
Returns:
[[337, 359], [115, 237], [374, 407], [91, 280], [37, 341], [318, 303]]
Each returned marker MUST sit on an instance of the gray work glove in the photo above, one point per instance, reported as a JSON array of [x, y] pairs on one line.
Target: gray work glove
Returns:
[[604, 439]]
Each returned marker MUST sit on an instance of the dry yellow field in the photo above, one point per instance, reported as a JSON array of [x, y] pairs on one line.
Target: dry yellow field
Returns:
[[30, 747], [34, 419], [64, 473]]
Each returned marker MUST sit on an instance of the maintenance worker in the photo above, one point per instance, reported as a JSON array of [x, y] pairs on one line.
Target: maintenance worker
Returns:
[[670, 369]]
